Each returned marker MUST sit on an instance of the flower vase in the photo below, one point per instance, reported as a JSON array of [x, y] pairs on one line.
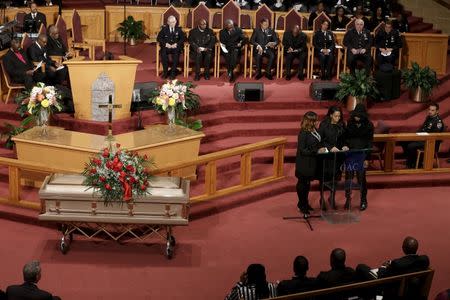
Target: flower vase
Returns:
[[171, 119], [42, 121]]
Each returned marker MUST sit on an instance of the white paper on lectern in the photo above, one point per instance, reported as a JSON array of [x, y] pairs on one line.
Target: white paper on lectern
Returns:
[[224, 49]]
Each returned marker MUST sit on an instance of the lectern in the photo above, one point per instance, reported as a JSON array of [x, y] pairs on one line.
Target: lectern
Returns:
[[93, 81]]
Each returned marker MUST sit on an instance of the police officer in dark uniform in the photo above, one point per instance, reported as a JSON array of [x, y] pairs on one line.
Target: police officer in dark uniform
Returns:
[[358, 41], [432, 123], [232, 40], [171, 39], [324, 45], [388, 42], [264, 41], [202, 41], [294, 43]]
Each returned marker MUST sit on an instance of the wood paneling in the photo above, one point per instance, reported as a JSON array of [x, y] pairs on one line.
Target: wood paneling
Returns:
[[92, 20]]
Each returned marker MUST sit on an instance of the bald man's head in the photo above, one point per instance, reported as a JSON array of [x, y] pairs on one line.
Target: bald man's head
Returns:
[[337, 258], [295, 30], [410, 245]]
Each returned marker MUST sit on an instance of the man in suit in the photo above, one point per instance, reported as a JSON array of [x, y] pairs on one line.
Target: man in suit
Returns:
[[294, 43], [202, 40], [300, 282], [55, 45], [29, 289], [19, 68], [324, 45], [232, 40], [170, 39], [3, 295], [388, 42], [358, 41], [264, 41], [32, 21], [37, 52], [339, 274]]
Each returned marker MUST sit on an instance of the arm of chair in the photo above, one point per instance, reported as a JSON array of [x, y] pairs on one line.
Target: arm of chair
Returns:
[[187, 47]]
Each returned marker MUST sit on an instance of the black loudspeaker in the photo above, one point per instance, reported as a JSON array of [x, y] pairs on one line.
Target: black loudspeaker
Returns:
[[248, 91], [388, 84], [141, 94], [323, 90]]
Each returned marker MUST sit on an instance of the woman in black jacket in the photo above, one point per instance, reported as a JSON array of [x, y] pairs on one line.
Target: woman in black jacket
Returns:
[[332, 132], [309, 144], [339, 21]]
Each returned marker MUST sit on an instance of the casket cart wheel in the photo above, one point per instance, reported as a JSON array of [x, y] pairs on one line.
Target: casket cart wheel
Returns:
[[172, 241], [64, 245]]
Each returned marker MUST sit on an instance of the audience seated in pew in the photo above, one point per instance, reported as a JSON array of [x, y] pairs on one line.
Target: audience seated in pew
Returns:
[[339, 273], [299, 282], [29, 289]]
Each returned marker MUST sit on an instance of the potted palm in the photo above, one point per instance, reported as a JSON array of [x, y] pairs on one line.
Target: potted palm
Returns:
[[419, 81], [356, 88], [132, 30]]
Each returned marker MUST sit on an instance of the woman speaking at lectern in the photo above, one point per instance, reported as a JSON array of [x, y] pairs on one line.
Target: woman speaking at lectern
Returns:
[[309, 144]]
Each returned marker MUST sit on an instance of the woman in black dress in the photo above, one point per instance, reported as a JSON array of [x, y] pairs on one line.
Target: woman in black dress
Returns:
[[339, 21], [377, 18], [309, 144], [332, 130]]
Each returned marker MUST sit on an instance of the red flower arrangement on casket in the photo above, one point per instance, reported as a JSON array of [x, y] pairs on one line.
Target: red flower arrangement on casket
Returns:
[[118, 175]]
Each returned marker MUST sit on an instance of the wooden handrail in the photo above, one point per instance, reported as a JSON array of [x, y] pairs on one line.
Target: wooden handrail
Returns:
[[443, 3], [428, 275]]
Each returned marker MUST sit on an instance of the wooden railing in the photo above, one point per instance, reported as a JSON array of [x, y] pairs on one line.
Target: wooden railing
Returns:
[[444, 3], [401, 280], [390, 141], [246, 181], [16, 167]]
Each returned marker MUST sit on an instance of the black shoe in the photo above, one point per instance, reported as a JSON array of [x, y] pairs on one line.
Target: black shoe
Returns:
[[164, 75], [306, 215], [258, 76], [197, 77], [310, 208], [206, 76], [288, 77], [363, 206], [301, 77], [269, 76], [347, 204]]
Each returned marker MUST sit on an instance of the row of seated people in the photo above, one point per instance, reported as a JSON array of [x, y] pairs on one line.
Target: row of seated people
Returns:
[[22, 65], [254, 285], [265, 41], [32, 273]]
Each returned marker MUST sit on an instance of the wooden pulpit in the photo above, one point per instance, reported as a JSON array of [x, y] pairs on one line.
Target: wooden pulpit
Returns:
[[93, 81]]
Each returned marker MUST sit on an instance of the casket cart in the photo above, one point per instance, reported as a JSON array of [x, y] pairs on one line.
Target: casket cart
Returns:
[[66, 201]]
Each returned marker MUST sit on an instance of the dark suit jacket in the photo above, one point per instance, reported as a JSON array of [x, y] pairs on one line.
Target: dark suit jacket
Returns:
[[388, 40], [231, 40], [296, 285], [15, 67], [177, 37], [335, 23], [352, 40], [335, 277], [324, 41], [2, 295], [56, 47], [37, 54], [28, 291], [40, 19], [297, 43], [405, 264], [261, 38], [205, 39], [306, 159]]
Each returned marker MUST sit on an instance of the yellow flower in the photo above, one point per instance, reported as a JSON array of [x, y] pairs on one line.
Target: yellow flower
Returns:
[[171, 101], [45, 103], [159, 101]]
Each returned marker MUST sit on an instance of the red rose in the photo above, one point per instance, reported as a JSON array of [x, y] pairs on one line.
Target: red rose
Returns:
[[130, 168], [109, 164], [115, 160], [105, 153], [93, 171], [102, 179], [132, 180], [122, 174], [108, 187], [143, 187], [117, 145]]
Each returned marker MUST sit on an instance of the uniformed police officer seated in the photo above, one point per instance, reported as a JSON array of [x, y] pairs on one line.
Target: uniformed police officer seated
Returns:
[[324, 45], [202, 41], [358, 41], [432, 124], [388, 42], [264, 41], [170, 39]]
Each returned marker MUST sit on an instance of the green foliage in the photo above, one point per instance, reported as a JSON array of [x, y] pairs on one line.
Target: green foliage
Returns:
[[359, 85], [190, 123], [425, 78], [132, 29], [15, 130]]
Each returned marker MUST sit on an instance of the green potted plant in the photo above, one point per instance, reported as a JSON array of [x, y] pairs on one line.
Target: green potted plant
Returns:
[[356, 88], [420, 82], [132, 30]]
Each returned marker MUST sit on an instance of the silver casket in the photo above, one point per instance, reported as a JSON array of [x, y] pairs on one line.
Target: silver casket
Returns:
[[65, 199]]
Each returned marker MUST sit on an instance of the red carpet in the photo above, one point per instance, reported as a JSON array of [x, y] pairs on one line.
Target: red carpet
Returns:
[[213, 250]]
